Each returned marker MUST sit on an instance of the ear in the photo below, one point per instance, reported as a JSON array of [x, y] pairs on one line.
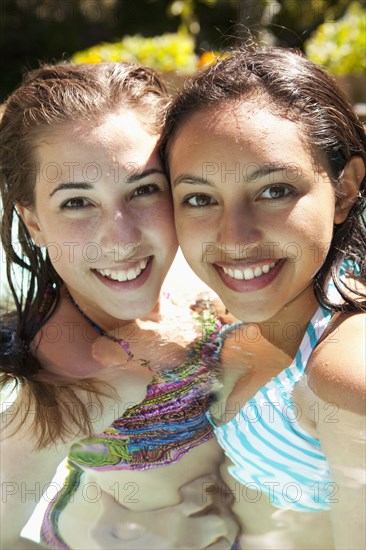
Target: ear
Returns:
[[31, 222], [353, 174]]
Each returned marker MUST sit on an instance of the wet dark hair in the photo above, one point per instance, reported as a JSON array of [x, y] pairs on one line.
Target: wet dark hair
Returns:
[[49, 97], [294, 88]]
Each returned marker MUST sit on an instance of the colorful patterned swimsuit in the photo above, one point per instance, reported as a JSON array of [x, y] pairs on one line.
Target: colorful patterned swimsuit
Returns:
[[160, 430]]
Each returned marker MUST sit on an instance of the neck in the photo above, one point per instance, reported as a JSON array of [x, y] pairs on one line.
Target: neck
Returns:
[[104, 321], [287, 328], [122, 337]]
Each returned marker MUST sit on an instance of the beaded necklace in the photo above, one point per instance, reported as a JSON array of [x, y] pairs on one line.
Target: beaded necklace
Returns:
[[99, 330]]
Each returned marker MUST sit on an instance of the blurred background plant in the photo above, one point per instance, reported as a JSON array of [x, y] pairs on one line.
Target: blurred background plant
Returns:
[[34, 31], [340, 46], [167, 52]]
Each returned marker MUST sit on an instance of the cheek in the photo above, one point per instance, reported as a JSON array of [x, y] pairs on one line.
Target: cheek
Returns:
[[309, 240], [71, 243], [191, 234], [59, 229], [184, 231], [66, 255], [165, 212], [192, 245], [159, 221]]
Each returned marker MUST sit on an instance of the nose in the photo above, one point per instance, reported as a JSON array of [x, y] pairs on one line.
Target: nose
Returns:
[[238, 230], [121, 234]]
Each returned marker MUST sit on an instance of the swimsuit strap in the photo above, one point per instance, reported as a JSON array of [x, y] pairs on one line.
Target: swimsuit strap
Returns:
[[265, 440]]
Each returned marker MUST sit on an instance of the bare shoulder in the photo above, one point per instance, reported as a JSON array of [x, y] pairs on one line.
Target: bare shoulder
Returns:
[[25, 473], [19, 455], [337, 367]]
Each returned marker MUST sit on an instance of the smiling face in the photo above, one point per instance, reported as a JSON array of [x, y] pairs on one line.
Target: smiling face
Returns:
[[103, 209], [254, 213]]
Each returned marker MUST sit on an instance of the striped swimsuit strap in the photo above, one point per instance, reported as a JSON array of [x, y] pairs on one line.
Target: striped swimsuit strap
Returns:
[[268, 447]]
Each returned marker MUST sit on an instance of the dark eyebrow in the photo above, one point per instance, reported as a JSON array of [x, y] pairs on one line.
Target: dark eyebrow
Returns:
[[258, 173], [270, 169], [192, 180], [73, 185], [131, 179], [140, 175]]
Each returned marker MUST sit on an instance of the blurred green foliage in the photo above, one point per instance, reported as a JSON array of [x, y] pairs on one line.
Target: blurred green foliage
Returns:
[[168, 52], [34, 31], [340, 46]]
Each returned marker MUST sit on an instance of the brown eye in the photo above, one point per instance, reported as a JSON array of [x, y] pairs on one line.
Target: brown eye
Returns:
[[75, 203], [199, 200], [276, 192], [144, 190]]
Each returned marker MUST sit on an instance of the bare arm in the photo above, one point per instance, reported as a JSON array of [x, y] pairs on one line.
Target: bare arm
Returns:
[[337, 377], [25, 474]]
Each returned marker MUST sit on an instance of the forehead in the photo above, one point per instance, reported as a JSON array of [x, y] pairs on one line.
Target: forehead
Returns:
[[130, 122], [104, 127], [249, 122], [124, 133]]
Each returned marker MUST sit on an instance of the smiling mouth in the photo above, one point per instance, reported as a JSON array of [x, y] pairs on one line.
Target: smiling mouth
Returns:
[[127, 274], [248, 273]]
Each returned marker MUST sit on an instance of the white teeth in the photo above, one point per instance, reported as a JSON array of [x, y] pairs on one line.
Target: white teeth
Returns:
[[237, 274], [248, 273], [258, 272], [131, 274], [122, 275]]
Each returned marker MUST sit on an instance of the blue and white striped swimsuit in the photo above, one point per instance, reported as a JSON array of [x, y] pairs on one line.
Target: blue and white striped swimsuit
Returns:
[[270, 451]]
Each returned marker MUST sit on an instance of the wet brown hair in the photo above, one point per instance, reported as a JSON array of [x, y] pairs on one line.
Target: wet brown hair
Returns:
[[294, 88], [49, 97]]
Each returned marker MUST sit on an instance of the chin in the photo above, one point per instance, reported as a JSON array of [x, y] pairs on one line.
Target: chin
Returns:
[[249, 313], [138, 310]]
